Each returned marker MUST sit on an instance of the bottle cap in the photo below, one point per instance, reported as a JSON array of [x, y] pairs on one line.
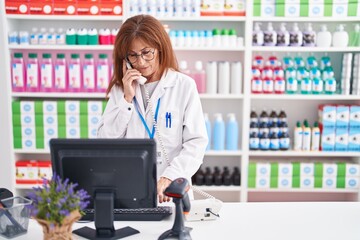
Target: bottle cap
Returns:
[[75, 55], [46, 55], [257, 27], [295, 27], [198, 65], [270, 27], [88, 56], [224, 32], [103, 55], [60, 55], [183, 65], [232, 32], [231, 116], [215, 31], [309, 27], [218, 116], [32, 55], [282, 27], [340, 27], [316, 124], [298, 124]]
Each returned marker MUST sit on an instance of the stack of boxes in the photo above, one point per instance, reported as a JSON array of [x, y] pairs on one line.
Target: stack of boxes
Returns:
[[340, 127], [355, 89], [350, 84], [32, 171], [306, 8], [303, 175], [36, 122]]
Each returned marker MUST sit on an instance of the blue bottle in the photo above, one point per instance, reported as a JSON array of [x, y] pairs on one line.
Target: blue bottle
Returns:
[[219, 133], [208, 130], [232, 132]]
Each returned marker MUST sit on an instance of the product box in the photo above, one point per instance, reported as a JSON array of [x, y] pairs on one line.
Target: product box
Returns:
[[354, 140], [212, 7], [352, 170], [354, 116], [352, 182], [26, 107], [285, 182], [306, 169], [50, 132], [341, 139], [44, 171], [72, 132], [65, 7], [263, 169], [28, 143], [41, 7], [94, 108], [92, 133], [28, 120], [342, 116], [111, 7], [307, 182], [73, 120], [235, 7], [27, 132], [316, 9], [87, 7], [340, 8], [93, 120], [329, 170], [327, 115], [72, 107], [329, 182], [50, 121], [49, 107], [285, 170], [263, 182], [328, 140], [17, 6], [26, 172]]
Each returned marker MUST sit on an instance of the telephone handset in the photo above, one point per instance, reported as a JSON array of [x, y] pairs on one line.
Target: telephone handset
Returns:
[[141, 80]]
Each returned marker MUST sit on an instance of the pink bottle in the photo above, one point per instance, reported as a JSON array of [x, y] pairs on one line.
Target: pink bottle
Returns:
[[32, 73], [268, 85], [104, 36], [88, 73], [60, 74], [102, 73], [46, 73], [18, 73], [256, 85], [279, 85], [200, 77], [74, 69]]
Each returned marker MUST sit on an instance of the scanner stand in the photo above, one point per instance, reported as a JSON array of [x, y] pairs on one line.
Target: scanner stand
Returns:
[[104, 220], [178, 231]]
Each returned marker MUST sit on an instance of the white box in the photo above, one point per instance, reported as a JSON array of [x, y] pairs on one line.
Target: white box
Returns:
[[285, 170], [28, 120], [94, 107], [341, 139], [27, 107], [306, 169], [316, 10], [306, 182], [328, 140], [292, 10], [93, 120], [92, 132], [354, 140], [329, 170], [263, 182], [28, 132], [49, 107], [72, 120], [263, 169], [329, 182], [340, 9], [352, 182], [342, 116], [284, 182], [50, 120], [72, 132], [28, 143], [72, 107], [352, 170], [267, 10], [355, 116], [327, 115], [50, 132]]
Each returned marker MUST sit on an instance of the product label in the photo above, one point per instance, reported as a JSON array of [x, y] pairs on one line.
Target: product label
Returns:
[[274, 144], [254, 143], [88, 77], [102, 77], [60, 77], [330, 85], [264, 143], [306, 85], [18, 77], [292, 85], [268, 86], [317, 85], [46, 76], [284, 143], [256, 85], [32, 75], [280, 86], [74, 76]]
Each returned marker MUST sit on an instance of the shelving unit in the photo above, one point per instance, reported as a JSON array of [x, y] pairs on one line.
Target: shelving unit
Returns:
[[240, 104]]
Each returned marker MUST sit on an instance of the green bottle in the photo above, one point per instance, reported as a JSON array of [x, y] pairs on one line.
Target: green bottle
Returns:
[[354, 37]]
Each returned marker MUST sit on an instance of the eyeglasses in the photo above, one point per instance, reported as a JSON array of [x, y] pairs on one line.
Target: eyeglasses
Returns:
[[147, 55]]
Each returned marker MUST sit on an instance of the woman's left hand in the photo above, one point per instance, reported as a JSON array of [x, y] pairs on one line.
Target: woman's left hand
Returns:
[[162, 184]]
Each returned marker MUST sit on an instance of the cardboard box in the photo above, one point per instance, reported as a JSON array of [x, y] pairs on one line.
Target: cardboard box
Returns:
[[235, 8], [17, 6], [354, 116], [111, 7], [263, 169], [328, 140], [41, 7], [88, 7], [285, 170], [64, 7], [306, 169], [306, 182], [342, 116], [329, 170], [329, 182], [212, 7], [285, 182], [341, 139], [26, 172], [44, 171], [352, 170], [354, 140]]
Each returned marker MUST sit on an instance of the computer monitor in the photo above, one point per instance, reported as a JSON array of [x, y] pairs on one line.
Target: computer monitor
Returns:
[[116, 173]]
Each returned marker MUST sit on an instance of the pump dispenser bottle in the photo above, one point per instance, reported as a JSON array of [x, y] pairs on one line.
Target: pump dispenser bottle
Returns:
[[270, 36], [283, 36], [258, 36], [309, 36], [323, 38], [296, 36], [354, 38], [340, 37]]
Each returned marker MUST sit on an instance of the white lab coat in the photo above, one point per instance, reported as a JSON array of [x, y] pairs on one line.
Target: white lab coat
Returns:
[[186, 140]]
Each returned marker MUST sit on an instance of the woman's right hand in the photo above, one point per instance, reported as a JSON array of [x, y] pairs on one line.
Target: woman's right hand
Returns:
[[129, 82]]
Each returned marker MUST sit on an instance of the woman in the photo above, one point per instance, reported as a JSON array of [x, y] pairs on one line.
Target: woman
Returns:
[[143, 43]]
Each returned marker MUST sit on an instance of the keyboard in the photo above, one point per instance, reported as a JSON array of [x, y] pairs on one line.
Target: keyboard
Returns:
[[134, 214]]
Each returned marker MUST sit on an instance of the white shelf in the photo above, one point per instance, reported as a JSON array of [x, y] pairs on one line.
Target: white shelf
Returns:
[[304, 190], [204, 18], [27, 186], [303, 97], [232, 49], [35, 151], [57, 95], [221, 96], [223, 153], [63, 47], [219, 188], [303, 49], [306, 19], [291, 153], [64, 17]]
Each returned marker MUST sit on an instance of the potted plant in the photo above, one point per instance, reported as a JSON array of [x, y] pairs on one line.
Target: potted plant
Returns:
[[56, 205]]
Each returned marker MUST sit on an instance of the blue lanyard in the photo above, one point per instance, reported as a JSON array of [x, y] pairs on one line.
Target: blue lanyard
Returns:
[[151, 134]]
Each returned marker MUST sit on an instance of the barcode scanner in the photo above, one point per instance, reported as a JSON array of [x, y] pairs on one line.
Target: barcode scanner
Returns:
[[178, 190]]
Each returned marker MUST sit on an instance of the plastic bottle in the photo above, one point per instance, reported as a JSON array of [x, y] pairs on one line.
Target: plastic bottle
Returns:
[[70, 36], [284, 141], [273, 117], [104, 36], [254, 141], [34, 36], [225, 38], [74, 69], [317, 86], [263, 128], [283, 36], [264, 117], [309, 36], [296, 36], [102, 73], [46, 73], [306, 136], [306, 84], [256, 85], [200, 77], [51, 37], [32, 73], [282, 117], [283, 128], [216, 36], [274, 142], [232, 132], [235, 77], [88, 73], [60, 78], [254, 127], [60, 37], [93, 37], [18, 73], [195, 36], [354, 37], [270, 36], [324, 37], [236, 176], [258, 35], [291, 85], [264, 142], [279, 85], [199, 177], [114, 32], [218, 180], [315, 137], [219, 133], [340, 38], [43, 36], [209, 177], [211, 77], [253, 116], [24, 38], [183, 66], [208, 130], [298, 137], [188, 38], [224, 77], [82, 36], [268, 85], [232, 38], [273, 128], [227, 180]]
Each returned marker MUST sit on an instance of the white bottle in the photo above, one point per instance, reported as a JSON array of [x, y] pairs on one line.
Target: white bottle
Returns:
[[183, 66], [235, 77], [34, 36], [283, 36], [306, 137], [309, 36], [60, 37], [296, 36], [258, 36], [315, 137], [340, 37], [43, 36], [298, 137], [224, 77], [270, 36], [323, 38], [211, 77], [51, 37]]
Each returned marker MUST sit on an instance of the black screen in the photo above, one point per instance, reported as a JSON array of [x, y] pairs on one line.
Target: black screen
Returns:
[[126, 167]]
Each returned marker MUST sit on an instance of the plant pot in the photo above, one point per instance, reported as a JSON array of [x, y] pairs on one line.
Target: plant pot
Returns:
[[57, 231]]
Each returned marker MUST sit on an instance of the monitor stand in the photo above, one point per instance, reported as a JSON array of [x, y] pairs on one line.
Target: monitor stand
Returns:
[[104, 220]]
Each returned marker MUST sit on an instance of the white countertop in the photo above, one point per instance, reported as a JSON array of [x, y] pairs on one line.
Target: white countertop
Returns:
[[255, 221]]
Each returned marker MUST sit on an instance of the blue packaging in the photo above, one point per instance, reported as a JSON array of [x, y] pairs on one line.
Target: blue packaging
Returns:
[[219, 133], [232, 132]]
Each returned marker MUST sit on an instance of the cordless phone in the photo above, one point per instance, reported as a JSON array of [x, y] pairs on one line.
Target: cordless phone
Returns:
[[141, 80]]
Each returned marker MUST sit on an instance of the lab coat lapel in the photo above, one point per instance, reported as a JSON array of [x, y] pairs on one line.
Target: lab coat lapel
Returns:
[[139, 99]]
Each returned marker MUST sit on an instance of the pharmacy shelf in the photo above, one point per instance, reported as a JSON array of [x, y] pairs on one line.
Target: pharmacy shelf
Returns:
[[222, 96], [291, 153], [204, 18], [219, 188], [64, 17], [63, 47], [223, 153], [35, 151], [304, 97], [304, 49], [27, 186], [306, 19], [57, 95], [308, 190], [207, 49]]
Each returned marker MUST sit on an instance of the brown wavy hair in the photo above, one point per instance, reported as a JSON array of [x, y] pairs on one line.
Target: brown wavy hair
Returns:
[[152, 32]]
